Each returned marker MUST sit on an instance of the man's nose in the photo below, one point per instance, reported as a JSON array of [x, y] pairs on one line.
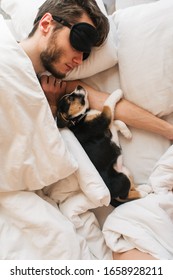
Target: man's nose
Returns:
[[78, 58]]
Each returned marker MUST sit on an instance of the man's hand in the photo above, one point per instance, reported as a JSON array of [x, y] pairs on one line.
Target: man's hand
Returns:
[[54, 89]]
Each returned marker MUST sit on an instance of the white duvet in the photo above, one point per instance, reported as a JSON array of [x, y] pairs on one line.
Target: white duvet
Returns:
[[33, 154], [146, 224], [49, 188]]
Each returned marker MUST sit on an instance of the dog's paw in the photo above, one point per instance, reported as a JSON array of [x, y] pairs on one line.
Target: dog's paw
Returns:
[[118, 93], [122, 127], [126, 133], [114, 97]]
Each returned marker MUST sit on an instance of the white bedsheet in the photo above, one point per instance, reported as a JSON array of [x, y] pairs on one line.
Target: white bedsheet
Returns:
[[146, 224]]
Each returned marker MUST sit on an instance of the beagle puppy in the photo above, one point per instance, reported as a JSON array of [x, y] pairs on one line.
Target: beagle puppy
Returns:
[[98, 134]]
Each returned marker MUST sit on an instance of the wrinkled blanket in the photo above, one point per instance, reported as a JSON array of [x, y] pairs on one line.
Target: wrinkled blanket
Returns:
[[146, 224], [33, 154]]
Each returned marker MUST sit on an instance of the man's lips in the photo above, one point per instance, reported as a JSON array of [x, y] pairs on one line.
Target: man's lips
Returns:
[[69, 67]]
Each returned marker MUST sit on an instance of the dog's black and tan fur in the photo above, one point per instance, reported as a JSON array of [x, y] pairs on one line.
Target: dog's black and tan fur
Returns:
[[92, 129]]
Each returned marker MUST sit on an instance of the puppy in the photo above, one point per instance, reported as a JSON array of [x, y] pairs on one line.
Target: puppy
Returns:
[[95, 131]]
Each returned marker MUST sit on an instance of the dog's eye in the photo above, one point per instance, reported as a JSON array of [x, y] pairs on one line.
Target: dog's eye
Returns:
[[71, 97]]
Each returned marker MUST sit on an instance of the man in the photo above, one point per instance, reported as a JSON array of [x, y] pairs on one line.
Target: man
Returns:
[[63, 35]]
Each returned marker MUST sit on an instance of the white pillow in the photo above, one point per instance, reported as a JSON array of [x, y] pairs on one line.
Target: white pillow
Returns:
[[145, 55], [121, 4], [33, 153], [23, 14], [142, 152]]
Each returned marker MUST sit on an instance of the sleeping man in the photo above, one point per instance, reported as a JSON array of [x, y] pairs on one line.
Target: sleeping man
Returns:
[[60, 40], [49, 48]]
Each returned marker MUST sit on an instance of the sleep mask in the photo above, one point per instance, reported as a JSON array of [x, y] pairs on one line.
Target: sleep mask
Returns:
[[83, 36]]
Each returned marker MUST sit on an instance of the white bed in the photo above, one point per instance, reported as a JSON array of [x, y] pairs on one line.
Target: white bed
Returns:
[[54, 205]]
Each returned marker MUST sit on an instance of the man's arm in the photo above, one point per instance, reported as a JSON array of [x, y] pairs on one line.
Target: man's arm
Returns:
[[128, 112], [125, 111], [139, 118]]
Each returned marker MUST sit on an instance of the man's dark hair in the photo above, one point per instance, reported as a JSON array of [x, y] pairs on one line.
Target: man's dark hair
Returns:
[[72, 11]]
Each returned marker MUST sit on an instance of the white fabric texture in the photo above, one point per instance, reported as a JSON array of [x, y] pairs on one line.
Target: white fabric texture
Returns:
[[146, 224], [35, 155], [144, 43], [40, 163], [121, 4], [33, 229], [31, 145], [23, 23], [161, 178], [77, 194], [82, 190], [141, 153]]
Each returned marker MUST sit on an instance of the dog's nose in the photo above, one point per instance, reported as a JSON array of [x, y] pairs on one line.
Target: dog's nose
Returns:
[[124, 193]]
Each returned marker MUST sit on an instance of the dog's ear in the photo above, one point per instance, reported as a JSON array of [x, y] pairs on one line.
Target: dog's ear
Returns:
[[79, 87], [60, 121]]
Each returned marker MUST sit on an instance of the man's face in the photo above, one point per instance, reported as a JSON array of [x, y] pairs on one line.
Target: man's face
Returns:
[[59, 57], [51, 57]]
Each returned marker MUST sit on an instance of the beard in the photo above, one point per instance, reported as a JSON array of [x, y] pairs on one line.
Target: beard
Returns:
[[51, 55], [47, 62]]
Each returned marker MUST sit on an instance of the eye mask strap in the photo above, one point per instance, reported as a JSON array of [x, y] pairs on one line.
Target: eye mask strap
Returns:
[[62, 21], [83, 36]]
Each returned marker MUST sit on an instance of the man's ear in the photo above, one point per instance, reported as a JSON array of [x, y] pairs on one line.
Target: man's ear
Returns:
[[45, 23]]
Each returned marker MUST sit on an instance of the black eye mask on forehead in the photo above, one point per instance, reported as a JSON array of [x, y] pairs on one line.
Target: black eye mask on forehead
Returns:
[[83, 36]]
